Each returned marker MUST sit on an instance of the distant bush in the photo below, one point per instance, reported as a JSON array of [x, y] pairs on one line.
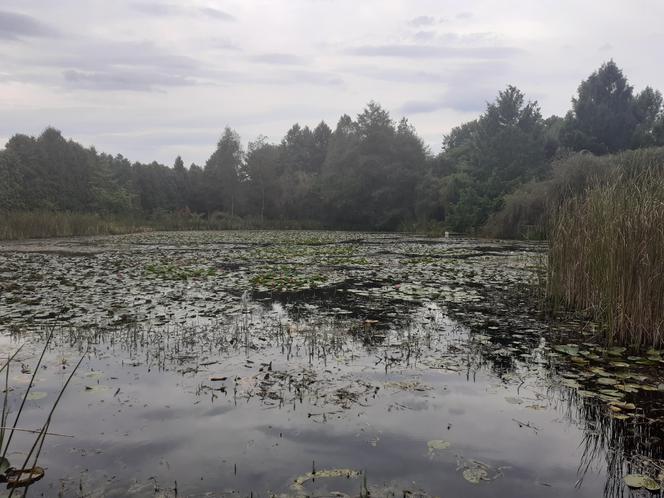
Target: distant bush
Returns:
[[527, 212]]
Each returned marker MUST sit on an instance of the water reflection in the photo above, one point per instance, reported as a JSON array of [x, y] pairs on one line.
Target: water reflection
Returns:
[[251, 403], [323, 391]]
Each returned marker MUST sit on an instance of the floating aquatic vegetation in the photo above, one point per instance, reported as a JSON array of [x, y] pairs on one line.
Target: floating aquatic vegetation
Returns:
[[476, 471], [638, 481], [436, 445], [278, 344], [300, 481]]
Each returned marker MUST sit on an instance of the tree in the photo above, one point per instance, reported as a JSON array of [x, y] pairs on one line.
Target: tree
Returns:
[[649, 116], [371, 171], [223, 172], [261, 167], [602, 118], [487, 158], [182, 183]]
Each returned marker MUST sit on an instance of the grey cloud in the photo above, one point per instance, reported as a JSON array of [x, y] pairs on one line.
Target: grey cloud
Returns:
[[398, 75], [170, 9], [222, 44], [464, 15], [422, 21], [424, 35], [433, 51], [14, 25], [279, 58], [473, 101], [468, 88], [123, 80], [216, 13], [315, 78], [157, 9], [102, 55], [471, 98], [421, 106]]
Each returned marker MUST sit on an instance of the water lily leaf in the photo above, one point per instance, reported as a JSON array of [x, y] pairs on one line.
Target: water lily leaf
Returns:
[[4, 465], [438, 444], [620, 416], [475, 474], [35, 395], [622, 405], [569, 349], [19, 478], [94, 375], [607, 381], [638, 481]]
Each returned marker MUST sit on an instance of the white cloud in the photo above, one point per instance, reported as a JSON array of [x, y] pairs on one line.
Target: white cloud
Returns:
[[151, 79]]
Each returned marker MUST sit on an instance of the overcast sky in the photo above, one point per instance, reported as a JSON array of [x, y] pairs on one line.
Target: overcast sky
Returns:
[[153, 79]]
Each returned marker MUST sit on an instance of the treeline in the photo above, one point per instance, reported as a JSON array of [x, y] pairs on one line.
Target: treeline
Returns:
[[369, 172]]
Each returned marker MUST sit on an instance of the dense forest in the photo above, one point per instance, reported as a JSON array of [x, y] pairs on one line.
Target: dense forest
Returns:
[[370, 172]]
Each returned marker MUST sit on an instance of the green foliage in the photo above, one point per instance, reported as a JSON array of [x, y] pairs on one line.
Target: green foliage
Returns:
[[505, 147], [500, 174], [372, 169], [606, 117]]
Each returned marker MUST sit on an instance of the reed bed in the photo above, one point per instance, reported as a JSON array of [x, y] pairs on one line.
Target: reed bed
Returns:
[[16, 225], [606, 250]]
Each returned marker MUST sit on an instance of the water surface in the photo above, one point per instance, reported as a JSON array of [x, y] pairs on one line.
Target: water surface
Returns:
[[316, 364]]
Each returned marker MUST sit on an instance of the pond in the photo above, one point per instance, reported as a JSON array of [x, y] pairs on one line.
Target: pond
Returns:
[[293, 363]]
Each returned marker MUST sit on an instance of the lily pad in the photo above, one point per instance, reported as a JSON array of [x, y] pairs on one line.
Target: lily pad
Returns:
[[35, 395], [637, 481], [437, 445], [475, 474]]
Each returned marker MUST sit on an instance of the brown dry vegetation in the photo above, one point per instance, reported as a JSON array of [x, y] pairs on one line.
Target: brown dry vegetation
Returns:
[[607, 248]]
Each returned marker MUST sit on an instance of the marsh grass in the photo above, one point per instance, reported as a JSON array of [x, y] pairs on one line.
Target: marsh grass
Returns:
[[606, 250], [15, 225], [24, 476], [18, 225]]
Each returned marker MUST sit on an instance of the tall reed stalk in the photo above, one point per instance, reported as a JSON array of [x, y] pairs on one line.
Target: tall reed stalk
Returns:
[[606, 250]]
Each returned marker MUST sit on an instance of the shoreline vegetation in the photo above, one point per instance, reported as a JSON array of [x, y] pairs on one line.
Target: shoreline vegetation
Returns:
[[590, 183], [606, 249], [21, 225]]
